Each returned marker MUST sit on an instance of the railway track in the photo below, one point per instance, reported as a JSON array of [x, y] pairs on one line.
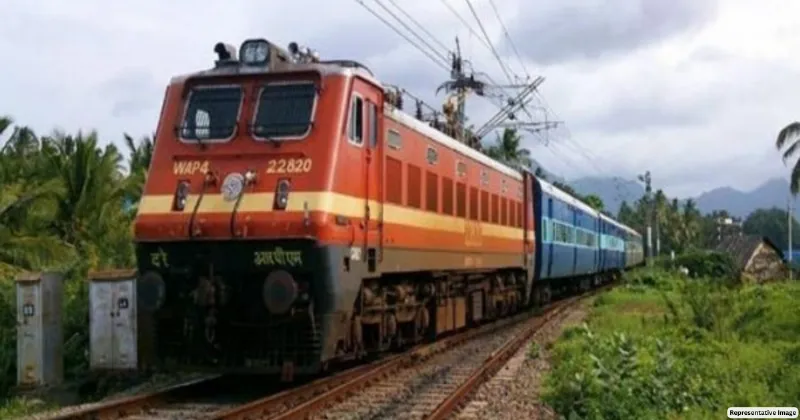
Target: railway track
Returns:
[[190, 400], [430, 381]]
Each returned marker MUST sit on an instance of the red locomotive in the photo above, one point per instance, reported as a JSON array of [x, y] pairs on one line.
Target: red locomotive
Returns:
[[294, 216]]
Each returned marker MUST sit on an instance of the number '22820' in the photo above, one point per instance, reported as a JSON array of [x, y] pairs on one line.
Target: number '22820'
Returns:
[[289, 166]]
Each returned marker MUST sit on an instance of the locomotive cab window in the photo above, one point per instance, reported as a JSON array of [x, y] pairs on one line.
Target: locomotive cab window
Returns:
[[284, 110], [356, 123], [211, 113]]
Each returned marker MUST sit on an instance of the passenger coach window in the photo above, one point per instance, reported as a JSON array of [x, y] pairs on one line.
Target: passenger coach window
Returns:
[[284, 110], [357, 120], [212, 113]]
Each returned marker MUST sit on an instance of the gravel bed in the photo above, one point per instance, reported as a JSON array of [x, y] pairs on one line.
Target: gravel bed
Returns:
[[151, 384], [414, 392], [513, 393]]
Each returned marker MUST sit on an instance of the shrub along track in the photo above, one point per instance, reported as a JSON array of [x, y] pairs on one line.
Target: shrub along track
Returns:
[[429, 381]]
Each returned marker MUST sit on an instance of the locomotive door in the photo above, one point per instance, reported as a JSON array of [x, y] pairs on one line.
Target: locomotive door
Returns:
[[373, 172]]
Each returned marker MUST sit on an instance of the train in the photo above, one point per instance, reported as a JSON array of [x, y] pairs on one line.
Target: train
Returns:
[[295, 217]]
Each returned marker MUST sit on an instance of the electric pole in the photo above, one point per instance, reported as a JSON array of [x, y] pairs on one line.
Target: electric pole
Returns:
[[454, 108], [658, 229], [790, 219], [649, 214], [461, 85]]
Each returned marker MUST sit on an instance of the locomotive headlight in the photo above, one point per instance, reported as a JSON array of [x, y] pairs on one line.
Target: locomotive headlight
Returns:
[[181, 195], [279, 292], [232, 186], [255, 52], [281, 194], [150, 291]]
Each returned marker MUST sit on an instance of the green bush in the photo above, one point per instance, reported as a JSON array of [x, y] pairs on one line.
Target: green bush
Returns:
[[655, 277], [676, 347], [623, 377], [701, 263]]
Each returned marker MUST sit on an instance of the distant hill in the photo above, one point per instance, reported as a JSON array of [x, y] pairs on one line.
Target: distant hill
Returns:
[[613, 191], [551, 177], [772, 193]]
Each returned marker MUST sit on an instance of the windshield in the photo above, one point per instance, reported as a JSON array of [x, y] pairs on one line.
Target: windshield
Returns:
[[284, 110], [212, 113]]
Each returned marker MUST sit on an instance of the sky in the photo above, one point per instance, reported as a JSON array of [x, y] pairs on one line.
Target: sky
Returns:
[[693, 90]]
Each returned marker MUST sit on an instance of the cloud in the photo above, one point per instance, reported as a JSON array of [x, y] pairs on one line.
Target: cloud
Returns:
[[694, 91], [558, 31]]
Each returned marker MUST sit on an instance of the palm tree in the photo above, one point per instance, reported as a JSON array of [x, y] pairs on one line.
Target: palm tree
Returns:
[[22, 245], [141, 155], [790, 135], [507, 150], [92, 185], [25, 203]]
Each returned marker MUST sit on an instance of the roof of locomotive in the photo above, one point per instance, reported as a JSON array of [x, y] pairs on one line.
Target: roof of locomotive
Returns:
[[336, 68]]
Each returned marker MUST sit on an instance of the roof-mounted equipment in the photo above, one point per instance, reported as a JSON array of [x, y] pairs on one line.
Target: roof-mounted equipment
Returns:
[[301, 54], [225, 52]]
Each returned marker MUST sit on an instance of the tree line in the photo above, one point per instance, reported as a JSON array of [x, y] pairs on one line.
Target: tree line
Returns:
[[64, 199]]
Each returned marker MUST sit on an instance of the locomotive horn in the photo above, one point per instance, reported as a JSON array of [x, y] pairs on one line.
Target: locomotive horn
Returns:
[[225, 51]]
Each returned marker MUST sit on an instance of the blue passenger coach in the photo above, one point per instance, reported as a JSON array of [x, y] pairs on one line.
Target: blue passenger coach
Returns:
[[567, 236], [634, 249], [612, 244], [576, 243]]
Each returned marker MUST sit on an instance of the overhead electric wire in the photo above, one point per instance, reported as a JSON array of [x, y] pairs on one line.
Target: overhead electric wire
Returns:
[[510, 41], [442, 61], [467, 25], [413, 32], [419, 25], [489, 40], [436, 60], [507, 110]]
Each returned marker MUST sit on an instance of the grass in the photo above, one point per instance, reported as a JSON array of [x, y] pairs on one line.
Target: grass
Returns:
[[663, 346], [20, 407]]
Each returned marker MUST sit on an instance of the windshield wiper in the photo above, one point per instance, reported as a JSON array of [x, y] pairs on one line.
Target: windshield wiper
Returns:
[[275, 142]]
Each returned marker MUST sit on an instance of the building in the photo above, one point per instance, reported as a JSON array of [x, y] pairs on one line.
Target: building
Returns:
[[757, 258], [729, 226]]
